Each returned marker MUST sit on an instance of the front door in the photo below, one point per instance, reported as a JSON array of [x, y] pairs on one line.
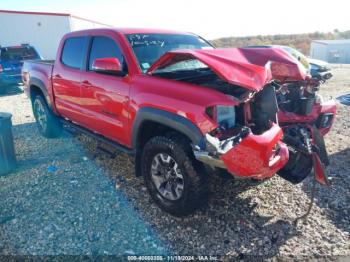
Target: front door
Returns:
[[105, 97]]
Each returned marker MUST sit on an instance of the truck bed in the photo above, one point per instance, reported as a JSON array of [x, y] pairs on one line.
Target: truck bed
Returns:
[[46, 62], [40, 72]]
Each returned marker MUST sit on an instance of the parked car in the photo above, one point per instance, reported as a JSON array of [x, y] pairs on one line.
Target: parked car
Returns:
[[291, 51], [320, 69], [180, 107], [11, 61]]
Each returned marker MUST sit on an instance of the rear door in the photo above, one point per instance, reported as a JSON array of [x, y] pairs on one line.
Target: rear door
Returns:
[[66, 77], [105, 97]]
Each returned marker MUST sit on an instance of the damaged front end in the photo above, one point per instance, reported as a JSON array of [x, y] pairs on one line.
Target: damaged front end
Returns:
[[252, 148], [246, 155], [248, 141]]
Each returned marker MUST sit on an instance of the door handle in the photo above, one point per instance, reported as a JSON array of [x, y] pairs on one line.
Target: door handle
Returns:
[[58, 76], [86, 84]]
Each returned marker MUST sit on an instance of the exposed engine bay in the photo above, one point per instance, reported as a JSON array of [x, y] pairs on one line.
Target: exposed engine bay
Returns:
[[298, 97]]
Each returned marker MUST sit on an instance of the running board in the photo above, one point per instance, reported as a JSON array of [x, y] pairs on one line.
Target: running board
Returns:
[[76, 128]]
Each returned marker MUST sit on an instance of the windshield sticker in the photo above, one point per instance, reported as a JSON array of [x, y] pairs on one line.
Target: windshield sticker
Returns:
[[145, 65]]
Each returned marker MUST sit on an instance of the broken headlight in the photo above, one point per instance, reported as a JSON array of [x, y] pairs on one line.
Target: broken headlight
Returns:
[[225, 116], [324, 120]]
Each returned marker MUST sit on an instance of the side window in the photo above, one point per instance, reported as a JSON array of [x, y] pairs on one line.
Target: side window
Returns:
[[74, 52], [104, 47]]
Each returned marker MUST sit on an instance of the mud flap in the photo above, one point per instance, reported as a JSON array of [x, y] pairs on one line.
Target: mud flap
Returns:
[[320, 173]]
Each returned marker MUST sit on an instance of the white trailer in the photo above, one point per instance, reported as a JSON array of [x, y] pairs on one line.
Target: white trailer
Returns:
[[41, 30], [332, 51]]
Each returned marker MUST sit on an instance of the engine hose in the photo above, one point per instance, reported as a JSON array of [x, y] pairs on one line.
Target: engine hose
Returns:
[[313, 191]]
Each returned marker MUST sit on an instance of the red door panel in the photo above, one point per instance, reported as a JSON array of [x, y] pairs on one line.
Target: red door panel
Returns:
[[67, 90], [104, 100]]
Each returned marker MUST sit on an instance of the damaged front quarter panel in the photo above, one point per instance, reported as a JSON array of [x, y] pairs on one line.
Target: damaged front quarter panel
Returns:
[[244, 154]]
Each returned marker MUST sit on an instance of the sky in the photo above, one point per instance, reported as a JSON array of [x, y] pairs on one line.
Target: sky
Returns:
[[209, 18]]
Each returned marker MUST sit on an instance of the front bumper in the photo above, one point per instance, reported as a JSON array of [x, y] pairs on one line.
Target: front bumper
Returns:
[[255, 156], [327, 110], [325, 75], [317, 116]]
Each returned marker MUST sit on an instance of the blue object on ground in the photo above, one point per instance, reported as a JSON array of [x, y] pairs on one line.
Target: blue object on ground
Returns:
[[52, 169], [344, 99]]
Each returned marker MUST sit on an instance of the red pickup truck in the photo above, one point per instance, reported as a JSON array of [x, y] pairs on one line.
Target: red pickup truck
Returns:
[[179, 106]]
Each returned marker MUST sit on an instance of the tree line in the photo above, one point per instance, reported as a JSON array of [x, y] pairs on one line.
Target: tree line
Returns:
[[300, 42]]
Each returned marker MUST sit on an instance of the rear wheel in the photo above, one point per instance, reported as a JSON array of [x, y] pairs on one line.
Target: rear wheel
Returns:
[[176, 181], [48, 124]]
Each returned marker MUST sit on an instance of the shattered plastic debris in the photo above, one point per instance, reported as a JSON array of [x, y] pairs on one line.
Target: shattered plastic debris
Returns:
[[223, 146], [52, 169], [220, 146]]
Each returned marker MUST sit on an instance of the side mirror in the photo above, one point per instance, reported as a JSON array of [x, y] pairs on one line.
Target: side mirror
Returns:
[[109, 65]]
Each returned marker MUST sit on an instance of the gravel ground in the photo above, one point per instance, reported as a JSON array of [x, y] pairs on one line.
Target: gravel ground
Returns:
[[65, 198]]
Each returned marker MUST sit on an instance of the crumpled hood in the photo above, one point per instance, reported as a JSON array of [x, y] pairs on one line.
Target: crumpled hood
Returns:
[[251, 68]]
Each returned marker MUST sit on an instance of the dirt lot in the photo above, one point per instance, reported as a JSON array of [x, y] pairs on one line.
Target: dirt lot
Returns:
[[65, 198]]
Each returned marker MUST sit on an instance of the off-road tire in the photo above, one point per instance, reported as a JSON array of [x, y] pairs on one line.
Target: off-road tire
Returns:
[[196, 180], [52, 127], [297, 169]]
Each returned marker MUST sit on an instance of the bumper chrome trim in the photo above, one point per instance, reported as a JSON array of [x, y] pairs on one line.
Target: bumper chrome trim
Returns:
[[204, 157]]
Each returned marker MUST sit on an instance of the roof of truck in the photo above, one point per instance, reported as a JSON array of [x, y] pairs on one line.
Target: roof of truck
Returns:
[[148, 31], [127, 31]]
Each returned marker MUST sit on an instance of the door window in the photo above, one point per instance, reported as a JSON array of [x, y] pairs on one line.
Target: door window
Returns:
[[74, 52], [105, 47]]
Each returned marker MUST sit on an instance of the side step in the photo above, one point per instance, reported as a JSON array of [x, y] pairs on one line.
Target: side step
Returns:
[[71, 127]]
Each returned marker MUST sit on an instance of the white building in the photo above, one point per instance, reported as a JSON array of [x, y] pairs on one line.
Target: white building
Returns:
[[331, 51], [41, 30]]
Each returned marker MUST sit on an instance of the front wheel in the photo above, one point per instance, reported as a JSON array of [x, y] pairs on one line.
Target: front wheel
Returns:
[[298, 167], [176, 181], [48, 124]]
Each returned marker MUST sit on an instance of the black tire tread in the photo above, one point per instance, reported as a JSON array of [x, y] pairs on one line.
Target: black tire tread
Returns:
[[198, 188], [54, 126]]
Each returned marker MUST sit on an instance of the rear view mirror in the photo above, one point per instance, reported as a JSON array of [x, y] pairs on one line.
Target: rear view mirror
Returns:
[[109, 65]]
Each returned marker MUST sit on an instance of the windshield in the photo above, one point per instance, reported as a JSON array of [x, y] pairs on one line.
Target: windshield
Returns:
[[148, 48], [18, 53]]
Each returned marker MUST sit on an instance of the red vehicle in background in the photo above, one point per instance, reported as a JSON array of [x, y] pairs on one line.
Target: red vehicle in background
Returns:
[[179, 106]]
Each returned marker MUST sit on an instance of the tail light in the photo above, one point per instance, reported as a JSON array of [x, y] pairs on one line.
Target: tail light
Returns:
[[1, 69], [25, 77]]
